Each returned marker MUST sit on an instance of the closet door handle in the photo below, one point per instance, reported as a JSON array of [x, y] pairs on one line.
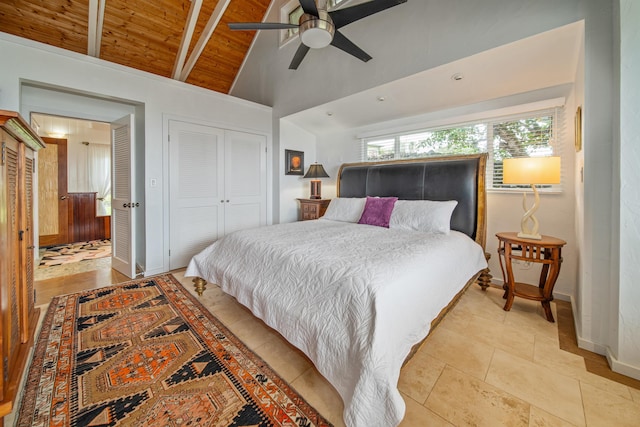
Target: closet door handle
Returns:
[[63, 197]]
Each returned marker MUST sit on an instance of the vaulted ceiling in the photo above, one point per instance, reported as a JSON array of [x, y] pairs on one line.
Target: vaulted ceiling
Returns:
[[181, 39]]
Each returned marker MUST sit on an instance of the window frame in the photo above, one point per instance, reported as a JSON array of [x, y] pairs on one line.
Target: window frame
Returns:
[[557, 112]]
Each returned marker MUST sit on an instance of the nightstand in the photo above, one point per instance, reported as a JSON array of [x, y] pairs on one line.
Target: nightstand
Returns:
[[312, 208], [546, 251]]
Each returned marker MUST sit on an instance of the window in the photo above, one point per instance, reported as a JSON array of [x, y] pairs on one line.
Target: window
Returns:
[[524, 135]]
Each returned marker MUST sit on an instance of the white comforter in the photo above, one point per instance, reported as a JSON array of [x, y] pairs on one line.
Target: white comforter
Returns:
[[354, 298]]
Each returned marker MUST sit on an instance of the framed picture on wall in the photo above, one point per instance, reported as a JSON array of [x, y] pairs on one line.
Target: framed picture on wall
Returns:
[[293, 162]]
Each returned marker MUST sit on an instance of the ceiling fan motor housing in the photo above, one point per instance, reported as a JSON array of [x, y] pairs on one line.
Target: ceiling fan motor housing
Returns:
[[316, 31]]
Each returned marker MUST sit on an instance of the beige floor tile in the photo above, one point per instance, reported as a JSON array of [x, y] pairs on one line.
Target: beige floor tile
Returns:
[[555, 393], [321, 395], [459, 351], [417, 415], [419, 375], [466, 401], [285, 359], [499, 335], [548, 355], [253, 332], [530, 318], [635, 394], [606, 409], [481, 303], [541, 418], [547, 352]]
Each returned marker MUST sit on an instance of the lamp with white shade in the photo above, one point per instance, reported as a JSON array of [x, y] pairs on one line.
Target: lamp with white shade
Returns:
[[531, 171]]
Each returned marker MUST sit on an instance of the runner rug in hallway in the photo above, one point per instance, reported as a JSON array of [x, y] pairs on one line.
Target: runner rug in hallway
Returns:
[[146, 352], [74, 252]]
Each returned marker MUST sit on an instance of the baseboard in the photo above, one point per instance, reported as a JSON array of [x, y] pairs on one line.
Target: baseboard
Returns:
[[154, 272], [583, 343], [621, 367]]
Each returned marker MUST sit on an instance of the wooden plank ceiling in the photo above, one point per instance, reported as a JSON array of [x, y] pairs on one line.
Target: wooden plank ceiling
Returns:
[[144, 34]]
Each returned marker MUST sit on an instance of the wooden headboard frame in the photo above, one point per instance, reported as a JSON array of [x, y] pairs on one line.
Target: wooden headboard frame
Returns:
[[430, 178]]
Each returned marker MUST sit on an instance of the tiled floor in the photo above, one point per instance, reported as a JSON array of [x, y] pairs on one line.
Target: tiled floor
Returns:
[[481, 366]]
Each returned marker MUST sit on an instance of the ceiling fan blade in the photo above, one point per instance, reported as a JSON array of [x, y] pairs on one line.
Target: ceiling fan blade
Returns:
[[299, 56], [341, 42], [260, 26], [309, 7], [342, 17]]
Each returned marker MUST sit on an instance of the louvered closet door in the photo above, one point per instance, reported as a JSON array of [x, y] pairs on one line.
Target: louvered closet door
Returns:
[[196, 189], [10, 298], [123, 203], [26, 264]]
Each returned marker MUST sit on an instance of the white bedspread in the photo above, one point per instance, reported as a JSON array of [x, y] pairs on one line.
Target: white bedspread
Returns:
[[354, 298]]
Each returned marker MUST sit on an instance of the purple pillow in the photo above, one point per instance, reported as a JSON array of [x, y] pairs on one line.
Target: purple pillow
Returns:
[[377, 211]]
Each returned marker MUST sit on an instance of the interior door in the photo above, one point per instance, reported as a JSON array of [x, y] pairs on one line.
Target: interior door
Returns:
[[123, 199], [52, 193], [196, 189], [245, 181]]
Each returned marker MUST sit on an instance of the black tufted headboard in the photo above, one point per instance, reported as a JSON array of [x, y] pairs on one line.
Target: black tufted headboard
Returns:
[[460, 178]]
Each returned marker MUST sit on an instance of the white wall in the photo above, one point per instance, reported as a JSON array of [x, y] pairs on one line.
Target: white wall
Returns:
[[627, 350], [160, 97], [294, 186]]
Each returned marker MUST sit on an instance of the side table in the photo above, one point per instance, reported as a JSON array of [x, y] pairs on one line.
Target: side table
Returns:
[[312, 208], [546, 251]]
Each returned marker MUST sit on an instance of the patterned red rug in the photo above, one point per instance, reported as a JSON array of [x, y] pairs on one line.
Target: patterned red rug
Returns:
[[147, 353]]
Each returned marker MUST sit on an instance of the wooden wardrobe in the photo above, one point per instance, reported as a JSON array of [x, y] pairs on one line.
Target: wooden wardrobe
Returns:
[[18, 316]]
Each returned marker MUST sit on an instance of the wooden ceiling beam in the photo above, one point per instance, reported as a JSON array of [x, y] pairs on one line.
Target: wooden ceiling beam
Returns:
[[96, 20], [204, 38], [192, 19]]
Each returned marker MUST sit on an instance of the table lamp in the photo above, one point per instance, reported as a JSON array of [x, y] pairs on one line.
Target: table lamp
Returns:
[[531, 171], [314, 172]]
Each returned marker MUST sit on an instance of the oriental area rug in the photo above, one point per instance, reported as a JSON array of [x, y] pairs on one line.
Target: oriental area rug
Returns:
[[147, 353]]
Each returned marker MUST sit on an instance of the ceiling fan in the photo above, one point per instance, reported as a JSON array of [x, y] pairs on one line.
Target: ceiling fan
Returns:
[[318, 28]]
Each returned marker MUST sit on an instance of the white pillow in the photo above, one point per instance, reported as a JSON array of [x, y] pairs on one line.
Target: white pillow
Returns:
[[345, 209], [423, 215]]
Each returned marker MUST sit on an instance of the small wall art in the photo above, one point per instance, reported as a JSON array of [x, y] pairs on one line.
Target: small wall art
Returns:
[[293, 162]]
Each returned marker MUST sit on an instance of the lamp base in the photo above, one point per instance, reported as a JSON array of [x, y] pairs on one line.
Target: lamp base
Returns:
[[315, 189], [529, 223]]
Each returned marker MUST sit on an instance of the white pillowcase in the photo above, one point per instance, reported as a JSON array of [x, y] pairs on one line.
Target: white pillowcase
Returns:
[[345, 209], [423, 215]]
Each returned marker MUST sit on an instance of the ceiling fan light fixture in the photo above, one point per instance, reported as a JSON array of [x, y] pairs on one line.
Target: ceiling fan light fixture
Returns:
[[316, 32]]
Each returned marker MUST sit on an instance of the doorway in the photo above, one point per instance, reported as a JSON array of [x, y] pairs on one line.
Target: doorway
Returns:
[[74, 196]]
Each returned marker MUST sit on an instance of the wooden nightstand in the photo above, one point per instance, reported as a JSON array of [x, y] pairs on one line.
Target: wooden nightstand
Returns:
[[546, 251], [312, 208]]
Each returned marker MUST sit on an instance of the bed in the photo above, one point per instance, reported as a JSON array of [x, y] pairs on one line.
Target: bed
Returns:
[[358, 298]]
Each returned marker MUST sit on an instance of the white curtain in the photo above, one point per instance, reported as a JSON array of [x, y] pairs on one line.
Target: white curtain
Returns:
[[99, 174]]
